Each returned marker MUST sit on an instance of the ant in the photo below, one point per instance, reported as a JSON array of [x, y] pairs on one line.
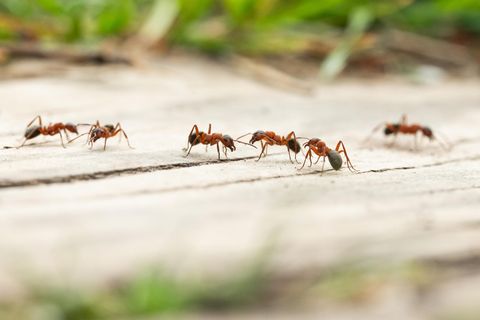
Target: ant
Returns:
[[199, 137], [33, 131], [408, 129], [270, 138], [107, 131], [319, 147]]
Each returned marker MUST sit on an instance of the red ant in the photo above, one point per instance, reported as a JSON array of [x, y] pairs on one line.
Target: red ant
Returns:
[[270, 138], [107, 131], [209, 138], [408, 129], [50, 130], [319, 147]]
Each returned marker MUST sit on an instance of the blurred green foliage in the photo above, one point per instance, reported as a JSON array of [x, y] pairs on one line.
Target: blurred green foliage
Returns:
[[218, 26]]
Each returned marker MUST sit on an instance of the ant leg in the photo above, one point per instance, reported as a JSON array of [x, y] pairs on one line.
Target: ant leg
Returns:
[[261, 153], [61, 138], [225, 152], [195, 127], [97, 125], [309, 154], [189, 149], [403, 120], [344, 150], [23, 143], [119, 129], [39, 121], [289, 156], [126, 138], [218, 151], [377, 127], [266, 151], [66, 134], [105, 145], [391, 144], [209, 132], [323, 164], [318, 159], [261, 143]]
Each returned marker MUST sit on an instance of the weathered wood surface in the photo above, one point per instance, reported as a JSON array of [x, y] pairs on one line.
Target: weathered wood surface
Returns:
[[87, 216]]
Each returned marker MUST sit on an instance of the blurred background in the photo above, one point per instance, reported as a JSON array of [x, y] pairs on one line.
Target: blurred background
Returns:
[[338, 36], [292, 44]]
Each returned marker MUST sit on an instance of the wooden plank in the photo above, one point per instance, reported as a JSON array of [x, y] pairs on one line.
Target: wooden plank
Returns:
[[61, 209]]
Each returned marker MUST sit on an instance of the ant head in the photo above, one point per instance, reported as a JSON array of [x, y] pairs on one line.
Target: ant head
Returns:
[[96, 134], [335, 159], [294, 145], [256, 136], [31, 132], [71, 127], [229, 142], [391, 128], [427, 132], [312, 141], [193, 138], [110, 127]]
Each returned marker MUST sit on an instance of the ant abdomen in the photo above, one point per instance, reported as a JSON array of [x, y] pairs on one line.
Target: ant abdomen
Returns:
[[193, 138], [335, 159], [32, 132], [294, 145]]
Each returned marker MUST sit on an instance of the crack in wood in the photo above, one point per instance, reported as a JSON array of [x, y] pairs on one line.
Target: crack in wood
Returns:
[[110, 173], [137, 170], [253, 180]]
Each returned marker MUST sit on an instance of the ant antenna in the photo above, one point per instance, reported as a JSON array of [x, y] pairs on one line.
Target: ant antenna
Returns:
[[246, 134], [80, 135], [378, 127], [248, 144], [443, 142]]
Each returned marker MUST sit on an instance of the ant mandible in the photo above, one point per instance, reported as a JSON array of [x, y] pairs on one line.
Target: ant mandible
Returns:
[[270, 138], [408, 129], [319, 147], [33, 131], [107, 131], [199, 137]]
